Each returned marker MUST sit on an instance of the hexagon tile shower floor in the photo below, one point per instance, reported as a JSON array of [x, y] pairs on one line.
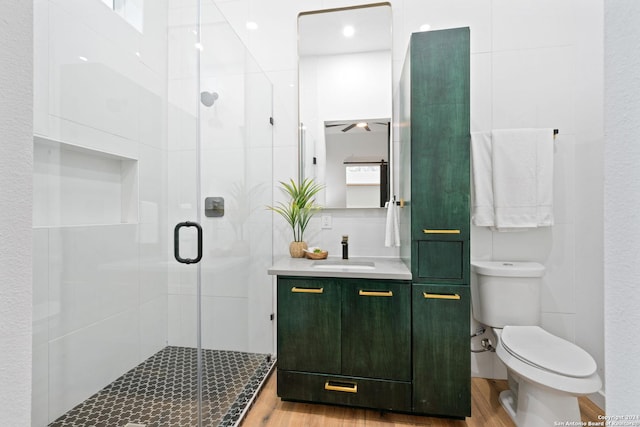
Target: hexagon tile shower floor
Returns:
[[162, 391]]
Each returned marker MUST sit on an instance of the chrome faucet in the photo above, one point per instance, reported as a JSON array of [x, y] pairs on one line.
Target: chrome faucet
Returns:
[[345, 247]]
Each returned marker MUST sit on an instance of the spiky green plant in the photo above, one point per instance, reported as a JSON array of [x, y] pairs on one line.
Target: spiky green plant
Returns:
[[300, 207]]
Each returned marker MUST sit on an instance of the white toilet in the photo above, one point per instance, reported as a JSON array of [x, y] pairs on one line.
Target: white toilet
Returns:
[[546, 373]]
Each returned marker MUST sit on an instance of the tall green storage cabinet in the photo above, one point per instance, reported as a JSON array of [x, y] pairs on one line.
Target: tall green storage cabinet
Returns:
[[434, 181]]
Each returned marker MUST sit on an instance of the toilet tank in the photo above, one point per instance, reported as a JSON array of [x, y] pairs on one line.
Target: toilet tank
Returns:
[[506, 293]]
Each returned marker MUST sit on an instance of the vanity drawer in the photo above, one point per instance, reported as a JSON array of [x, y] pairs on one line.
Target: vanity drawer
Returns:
[[340, 390], [441, 260]]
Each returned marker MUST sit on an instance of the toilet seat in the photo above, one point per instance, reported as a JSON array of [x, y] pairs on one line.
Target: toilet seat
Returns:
[[545, 377], [542, 350]]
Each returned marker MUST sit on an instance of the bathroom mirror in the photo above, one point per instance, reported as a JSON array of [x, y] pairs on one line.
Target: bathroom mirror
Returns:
[[345, 103]]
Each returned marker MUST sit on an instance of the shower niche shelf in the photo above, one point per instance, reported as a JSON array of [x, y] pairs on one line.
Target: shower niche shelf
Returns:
[[73, 185]]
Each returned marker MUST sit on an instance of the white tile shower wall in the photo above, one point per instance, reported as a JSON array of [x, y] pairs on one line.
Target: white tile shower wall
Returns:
[[83, 362], [535, 64], [91, 81], [100, 291], [93, 275]]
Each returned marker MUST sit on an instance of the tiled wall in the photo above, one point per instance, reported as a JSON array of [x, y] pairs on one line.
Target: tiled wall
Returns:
[[533, 64]]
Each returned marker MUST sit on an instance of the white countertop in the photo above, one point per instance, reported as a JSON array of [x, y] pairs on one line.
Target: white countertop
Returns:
[[384, 268]]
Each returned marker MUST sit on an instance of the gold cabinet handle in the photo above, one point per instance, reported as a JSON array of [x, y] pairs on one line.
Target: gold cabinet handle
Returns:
[[364, 293], [440, 296], [427, 231], [339, 386], [296, 289]]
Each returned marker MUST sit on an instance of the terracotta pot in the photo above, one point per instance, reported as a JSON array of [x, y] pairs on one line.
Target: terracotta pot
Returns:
[[296, 249]]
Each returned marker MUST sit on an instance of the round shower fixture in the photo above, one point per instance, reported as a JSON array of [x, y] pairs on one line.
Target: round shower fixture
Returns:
[[208, 98]]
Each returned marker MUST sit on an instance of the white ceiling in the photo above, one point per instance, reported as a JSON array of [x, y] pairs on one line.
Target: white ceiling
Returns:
[[320, 33], [376, 126]]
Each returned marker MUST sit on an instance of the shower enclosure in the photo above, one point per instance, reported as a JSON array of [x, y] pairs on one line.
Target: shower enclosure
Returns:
[[147, 115]]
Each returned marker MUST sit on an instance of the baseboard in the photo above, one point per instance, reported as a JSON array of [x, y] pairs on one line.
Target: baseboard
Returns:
[[599, 398]]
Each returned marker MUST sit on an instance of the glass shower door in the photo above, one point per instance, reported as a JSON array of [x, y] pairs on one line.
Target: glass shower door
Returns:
[[221, 172], [236, 186]]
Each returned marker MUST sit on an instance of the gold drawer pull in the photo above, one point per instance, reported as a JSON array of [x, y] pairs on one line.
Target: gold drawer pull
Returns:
[[441, 231], [440, 296], [296, 289], [339, 386], [364, 293]]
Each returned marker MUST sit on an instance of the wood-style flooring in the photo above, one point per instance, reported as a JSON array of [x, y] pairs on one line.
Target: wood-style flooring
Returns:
[[270, 411]]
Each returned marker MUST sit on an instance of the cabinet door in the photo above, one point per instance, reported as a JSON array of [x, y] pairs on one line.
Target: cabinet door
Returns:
[[441, 350], [309, 325], [440, 261], [376, 329], [440, 130]]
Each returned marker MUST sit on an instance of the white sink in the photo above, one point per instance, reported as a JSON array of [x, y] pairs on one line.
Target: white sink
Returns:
[[344, 264]]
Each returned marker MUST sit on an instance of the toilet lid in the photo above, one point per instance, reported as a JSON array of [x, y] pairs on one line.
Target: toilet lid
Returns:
[[537, 347]]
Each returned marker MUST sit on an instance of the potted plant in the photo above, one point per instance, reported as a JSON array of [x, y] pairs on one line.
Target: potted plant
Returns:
[[298, 210]]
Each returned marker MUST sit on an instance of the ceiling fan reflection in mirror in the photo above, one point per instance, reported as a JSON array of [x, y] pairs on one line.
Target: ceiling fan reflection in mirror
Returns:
[[375, 125]]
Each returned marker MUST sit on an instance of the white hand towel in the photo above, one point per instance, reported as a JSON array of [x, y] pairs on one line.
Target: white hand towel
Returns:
[[482, 173], [522, 177], [392, 231]]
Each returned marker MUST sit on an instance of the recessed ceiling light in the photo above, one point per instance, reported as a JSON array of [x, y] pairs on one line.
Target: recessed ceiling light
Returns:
[[425, 27], [251, 25], [362, 124], [83, 58], [348, 31]]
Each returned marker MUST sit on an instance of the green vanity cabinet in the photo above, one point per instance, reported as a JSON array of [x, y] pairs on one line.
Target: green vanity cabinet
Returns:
[[441, 350], [345, 341]]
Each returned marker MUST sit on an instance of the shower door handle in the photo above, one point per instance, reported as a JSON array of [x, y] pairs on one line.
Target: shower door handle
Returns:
[[176, 242]]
